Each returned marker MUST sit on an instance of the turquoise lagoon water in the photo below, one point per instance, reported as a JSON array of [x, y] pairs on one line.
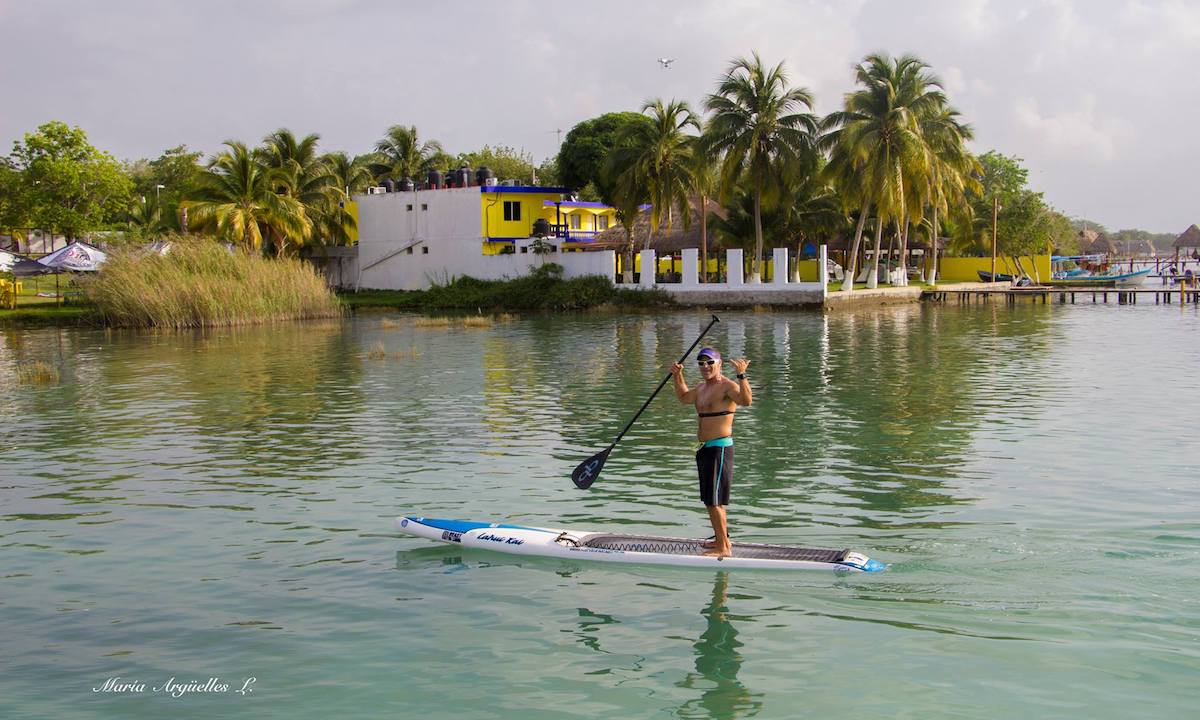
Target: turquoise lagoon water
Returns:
[[190, 506]]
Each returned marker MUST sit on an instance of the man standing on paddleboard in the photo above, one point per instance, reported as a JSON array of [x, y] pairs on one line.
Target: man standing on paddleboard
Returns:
[[716, 400]]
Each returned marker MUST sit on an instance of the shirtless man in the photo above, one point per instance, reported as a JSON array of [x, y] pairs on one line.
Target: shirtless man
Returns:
[[716, 400]]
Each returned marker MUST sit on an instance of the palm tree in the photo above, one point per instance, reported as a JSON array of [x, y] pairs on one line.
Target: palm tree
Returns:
[[704, 184], [401, 154], [879, 143], [656, 157], [952, 170], [758, 121], [146, 218], [298, 172], [350, 175], [236, 200]]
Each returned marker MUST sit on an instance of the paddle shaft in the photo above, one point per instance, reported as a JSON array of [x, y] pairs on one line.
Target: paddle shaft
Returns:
[[665, 380]]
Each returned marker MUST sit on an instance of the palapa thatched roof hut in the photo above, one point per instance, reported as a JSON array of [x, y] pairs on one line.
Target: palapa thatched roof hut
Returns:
[[1101, 245], [1142, 247], [1189, 238], [665, 240]]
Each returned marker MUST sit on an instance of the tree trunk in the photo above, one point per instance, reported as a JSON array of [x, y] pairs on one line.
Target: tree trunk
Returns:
[[904, 253], [931, 278], [873, 277], [852, 257], [704, 238], [799, 250], [627, 266], [755, 274], [891, 246]]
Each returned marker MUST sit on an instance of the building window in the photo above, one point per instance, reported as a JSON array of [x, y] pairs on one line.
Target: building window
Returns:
[[576, 222], [424, 250], [424, 206], [602, 222], [408, 207], [524, 249], [408, 250], [512, 210]]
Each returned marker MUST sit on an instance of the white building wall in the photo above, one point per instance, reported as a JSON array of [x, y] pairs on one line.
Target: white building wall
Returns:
[[392, 240]]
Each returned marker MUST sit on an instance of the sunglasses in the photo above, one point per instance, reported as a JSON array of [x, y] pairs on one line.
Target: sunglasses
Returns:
[[703, 363]]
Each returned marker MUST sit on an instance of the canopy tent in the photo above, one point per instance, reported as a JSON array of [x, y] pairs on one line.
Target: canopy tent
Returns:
[[76, 257], [21, 266]]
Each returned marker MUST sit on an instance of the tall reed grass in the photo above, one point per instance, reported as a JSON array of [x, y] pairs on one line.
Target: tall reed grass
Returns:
[[200, 283]]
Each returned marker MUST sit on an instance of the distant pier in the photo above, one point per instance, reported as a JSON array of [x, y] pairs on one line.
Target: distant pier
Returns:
[[981, 293]]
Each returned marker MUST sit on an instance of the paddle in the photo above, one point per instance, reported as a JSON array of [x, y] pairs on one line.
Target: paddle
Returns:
[[589, 469]]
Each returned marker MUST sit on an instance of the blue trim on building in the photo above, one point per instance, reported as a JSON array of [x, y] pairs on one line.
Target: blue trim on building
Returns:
[[520, 189], [576, 204]]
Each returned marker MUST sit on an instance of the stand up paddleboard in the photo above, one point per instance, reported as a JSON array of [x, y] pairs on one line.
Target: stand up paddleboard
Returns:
[[641, 549]]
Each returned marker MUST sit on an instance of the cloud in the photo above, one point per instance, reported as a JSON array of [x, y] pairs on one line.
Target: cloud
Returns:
[[1078, 132]]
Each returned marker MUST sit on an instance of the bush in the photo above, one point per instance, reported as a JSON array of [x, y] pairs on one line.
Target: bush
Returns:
[[542, 289], [201, 283]]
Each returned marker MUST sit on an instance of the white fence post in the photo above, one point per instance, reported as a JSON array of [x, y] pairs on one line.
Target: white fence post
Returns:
[[733, 264], [823, 270], [649, 267], [691, 266], [779, 269]]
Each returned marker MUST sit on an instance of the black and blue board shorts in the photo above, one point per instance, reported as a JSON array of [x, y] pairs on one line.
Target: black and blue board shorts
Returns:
[[714, 462]]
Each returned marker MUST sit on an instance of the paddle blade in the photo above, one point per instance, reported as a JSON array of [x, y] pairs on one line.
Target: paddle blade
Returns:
[[589, 469]]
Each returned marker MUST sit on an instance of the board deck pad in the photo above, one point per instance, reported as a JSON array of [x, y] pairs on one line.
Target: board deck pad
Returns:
[[689, 546]]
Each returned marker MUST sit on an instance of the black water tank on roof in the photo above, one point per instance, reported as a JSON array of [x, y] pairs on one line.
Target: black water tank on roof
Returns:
[[434, 180], [482, 174], [462, 176], [388, 185], [405, 184]]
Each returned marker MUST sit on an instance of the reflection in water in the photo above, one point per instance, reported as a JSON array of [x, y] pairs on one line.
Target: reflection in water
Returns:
[[718, 662]]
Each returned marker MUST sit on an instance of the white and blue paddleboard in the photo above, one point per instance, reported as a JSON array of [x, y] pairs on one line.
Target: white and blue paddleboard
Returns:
[[641, 549]]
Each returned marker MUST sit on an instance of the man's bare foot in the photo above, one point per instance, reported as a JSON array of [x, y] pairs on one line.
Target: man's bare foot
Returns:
[[709, 543], [725, 551]]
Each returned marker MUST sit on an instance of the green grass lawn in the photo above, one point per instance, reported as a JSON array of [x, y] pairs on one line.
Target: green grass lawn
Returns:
[[32, 308]]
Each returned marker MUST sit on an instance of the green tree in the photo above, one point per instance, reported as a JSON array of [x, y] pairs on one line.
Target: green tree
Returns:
[[583, 156], [704, 170], [350, 175], [758, 121], [504, 161], [146, 219], [298, 172], [67, 185], [158, 187], [878, 141], [656, 159], [952, 171], [236, 200], [547, 172], [1025, 224], [401, 154], [13, 206]]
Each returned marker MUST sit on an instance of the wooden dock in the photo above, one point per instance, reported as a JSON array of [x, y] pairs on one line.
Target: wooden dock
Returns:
[[1065, 295]]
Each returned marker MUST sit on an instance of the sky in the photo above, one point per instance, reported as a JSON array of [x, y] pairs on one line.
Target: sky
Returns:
[[1092, 95]]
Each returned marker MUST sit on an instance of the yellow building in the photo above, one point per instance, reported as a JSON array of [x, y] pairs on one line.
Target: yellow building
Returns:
[[509, 212]]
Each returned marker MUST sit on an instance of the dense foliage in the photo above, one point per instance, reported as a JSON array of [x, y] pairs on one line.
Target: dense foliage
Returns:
[[56, 179], [542, 289], [892, 161]]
